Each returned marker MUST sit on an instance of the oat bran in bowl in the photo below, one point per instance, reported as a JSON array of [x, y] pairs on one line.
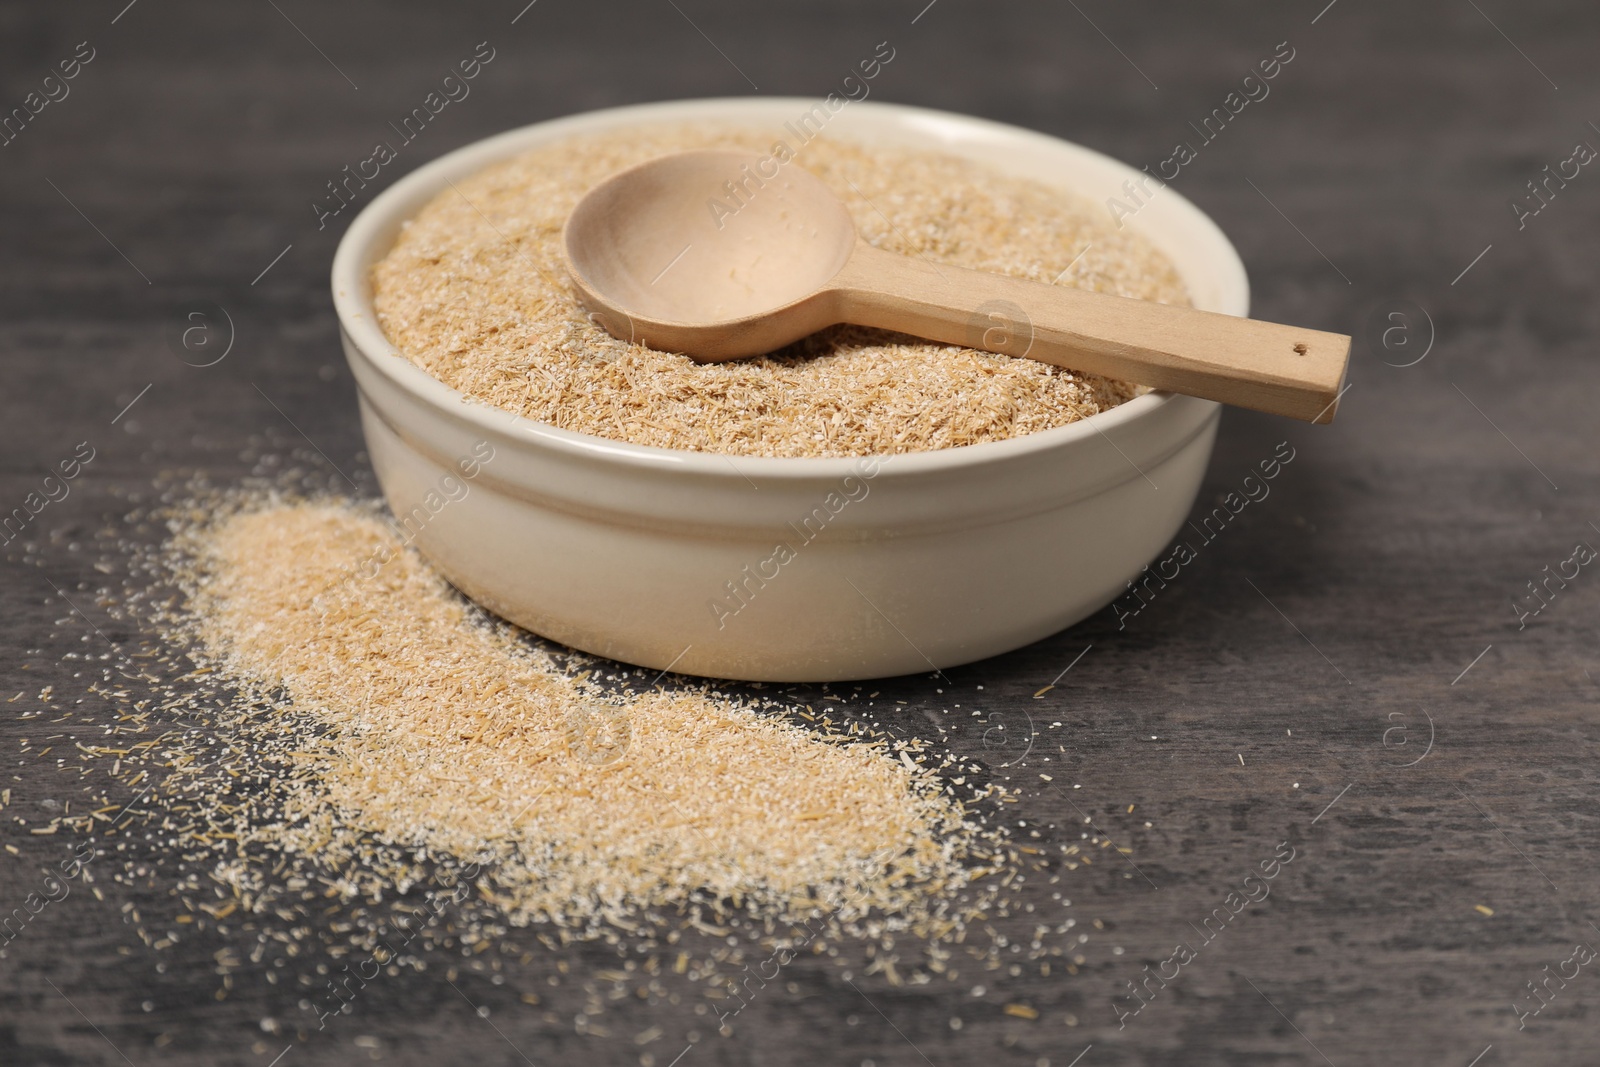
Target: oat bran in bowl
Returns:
[[859, 505]]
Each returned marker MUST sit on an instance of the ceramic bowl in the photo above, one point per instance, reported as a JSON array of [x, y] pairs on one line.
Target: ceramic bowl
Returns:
[[786, 569]]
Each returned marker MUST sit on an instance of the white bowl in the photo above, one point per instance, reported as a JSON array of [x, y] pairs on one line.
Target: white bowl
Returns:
[[915, 562]]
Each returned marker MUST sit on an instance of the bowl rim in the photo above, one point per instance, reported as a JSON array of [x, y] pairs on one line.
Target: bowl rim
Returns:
[[353, 304]]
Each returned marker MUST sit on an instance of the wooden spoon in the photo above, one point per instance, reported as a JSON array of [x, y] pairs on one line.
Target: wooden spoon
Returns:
[[721, 254]]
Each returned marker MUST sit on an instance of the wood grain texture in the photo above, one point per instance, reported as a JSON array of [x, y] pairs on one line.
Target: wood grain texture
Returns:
[[1252, 700], [1263, 366]]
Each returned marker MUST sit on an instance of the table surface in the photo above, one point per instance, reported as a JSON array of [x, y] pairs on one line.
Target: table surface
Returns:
[[1343, 669]]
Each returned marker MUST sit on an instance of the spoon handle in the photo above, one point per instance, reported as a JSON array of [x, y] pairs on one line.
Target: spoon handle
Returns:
[[1284, 370]]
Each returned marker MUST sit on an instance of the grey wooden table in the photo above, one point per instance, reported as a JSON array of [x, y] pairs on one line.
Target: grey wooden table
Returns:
[[1342, 669]]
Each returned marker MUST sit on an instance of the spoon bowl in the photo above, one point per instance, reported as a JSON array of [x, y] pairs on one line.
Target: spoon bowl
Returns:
[[721, 254], [691, 251]]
